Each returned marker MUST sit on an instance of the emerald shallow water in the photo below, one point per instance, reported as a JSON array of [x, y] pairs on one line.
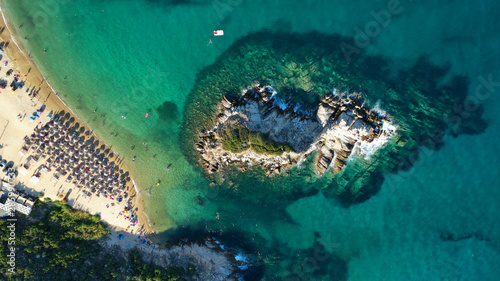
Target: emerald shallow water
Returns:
[[435, 222]]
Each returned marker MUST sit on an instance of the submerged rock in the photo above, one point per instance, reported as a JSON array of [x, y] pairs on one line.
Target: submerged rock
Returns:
[[337, 128]]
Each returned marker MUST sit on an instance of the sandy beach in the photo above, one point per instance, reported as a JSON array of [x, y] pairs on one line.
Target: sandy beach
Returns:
[[18, 106]]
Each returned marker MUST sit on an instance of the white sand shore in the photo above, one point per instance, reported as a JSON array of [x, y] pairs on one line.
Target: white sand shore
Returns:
[[210, 261], [14, 129]]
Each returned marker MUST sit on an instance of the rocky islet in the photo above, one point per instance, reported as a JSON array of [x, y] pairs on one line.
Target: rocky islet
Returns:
[[339, 126], [418, 100]]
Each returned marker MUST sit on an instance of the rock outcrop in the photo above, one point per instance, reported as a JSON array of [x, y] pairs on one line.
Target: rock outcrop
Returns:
[[337, 128]]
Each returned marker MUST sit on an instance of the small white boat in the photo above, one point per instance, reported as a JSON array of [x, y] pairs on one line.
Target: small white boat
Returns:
[[218, 32]]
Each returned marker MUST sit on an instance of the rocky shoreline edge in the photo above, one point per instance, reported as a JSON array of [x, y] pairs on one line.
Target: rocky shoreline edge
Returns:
[[209, 258], [341, 125]]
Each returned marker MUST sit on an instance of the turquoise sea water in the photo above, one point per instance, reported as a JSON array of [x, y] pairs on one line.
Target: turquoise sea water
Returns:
[[437, 221]]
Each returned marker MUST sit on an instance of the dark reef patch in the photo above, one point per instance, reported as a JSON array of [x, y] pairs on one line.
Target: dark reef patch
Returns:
[[422, 99], [168, 111], [317, 263], [233, 241]]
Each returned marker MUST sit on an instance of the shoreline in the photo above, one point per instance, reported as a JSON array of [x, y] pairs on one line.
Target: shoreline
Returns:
[[47, 96]]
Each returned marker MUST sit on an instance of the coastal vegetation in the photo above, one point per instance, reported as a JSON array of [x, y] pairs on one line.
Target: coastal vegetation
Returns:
[[238, 139], [58, 242], [421, 99]]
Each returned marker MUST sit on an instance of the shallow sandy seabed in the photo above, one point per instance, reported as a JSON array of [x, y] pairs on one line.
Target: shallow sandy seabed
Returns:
[[12, 132]]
